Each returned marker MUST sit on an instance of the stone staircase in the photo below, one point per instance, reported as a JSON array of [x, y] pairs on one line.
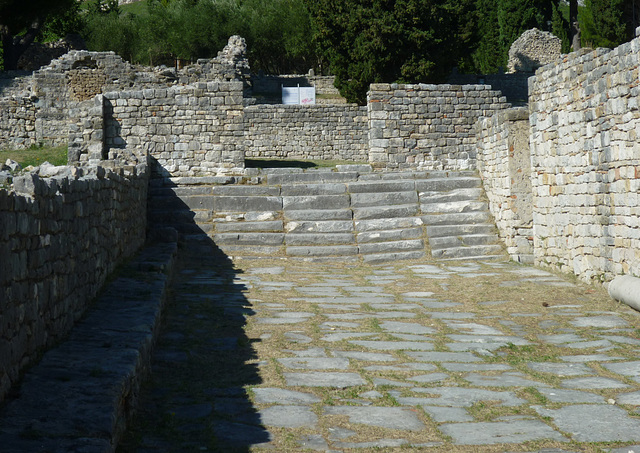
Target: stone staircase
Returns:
[[353, 214]]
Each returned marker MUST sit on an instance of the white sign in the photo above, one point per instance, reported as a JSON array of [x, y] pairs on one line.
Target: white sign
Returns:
[[298, 95]]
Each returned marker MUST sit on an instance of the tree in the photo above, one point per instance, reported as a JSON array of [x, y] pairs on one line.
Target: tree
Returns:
[[606, 24], [489, 54], [367, 41], [21, 22]]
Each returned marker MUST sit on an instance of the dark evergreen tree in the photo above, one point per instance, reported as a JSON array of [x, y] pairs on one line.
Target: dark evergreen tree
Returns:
[[21, 21], [560, 28], [606, 25], [489, 55]]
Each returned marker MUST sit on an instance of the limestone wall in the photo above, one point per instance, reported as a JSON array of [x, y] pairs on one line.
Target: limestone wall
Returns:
[[306, 132], [430, 127], [189, 130], [505, 169], [60, 238], [585, 155]]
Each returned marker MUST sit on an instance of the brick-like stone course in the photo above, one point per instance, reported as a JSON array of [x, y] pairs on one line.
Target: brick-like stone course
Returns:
[[306, 132], [585, 125], [61, 236], [505, 167], [430, 127]]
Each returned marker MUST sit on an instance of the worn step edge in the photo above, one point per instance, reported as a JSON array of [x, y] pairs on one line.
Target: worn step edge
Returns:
[[473, 250]]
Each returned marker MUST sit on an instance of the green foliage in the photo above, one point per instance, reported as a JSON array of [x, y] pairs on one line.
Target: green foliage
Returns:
[[560, 28], [604, 23], [489, 54], [368, 41]]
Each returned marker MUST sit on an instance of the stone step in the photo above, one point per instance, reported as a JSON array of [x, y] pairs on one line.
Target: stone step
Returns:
[[385, 212], [246, 190], [435, 231], [389, 235], [457, 218], [454, 207], [387, 224], [246, 203], [454, 195], [262, 251], [375, 258], [367, 199], [313, 189], [447, 184], [314, 202], [312, 177], [502, 257], [393, 246], [468, 252], [318, 214], [273, 239], [294, 239], [319, 226], [462, 241], [272, 226], [382, 186], [322, 250]]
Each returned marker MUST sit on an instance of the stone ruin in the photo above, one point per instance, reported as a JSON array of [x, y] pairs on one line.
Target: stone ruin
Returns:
[[532, 50]]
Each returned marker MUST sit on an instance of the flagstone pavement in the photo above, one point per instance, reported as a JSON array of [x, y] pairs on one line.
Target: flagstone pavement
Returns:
[[268, 355]]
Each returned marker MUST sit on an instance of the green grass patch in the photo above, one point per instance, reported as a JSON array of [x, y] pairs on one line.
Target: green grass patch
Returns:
[[36, 156]]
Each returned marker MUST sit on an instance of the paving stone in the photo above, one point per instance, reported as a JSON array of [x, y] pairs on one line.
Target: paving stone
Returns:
[[489, 339], [439, 305], [459, 397], [593, 383], [503, 380], [561, 369], [337, 433], [444, 356], [561, 338], [570, 396], [311, 352], [452, 315], [469, 367], [632, 398], [406, 327], [394, 345], [500, 432], [298, 338], [366, 356], [588, 344], [628, 449], [448, 414], [605, 322], [631, 369], [288, 416], [382, 417], [473, 328], [382, 443], [427, 378], [315, 363], [589, 358], [319, 379], [612, 423], [266, 395], [382, 382], [340, 336], [313, 442]]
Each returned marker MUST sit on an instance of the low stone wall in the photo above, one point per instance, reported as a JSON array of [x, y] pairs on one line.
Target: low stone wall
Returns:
[[505, 169], [431, 127], [188, 130], [585, 148], [306, 132], [61, 237]]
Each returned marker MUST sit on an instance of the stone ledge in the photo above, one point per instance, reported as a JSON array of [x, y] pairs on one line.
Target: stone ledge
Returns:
[[81, 395]]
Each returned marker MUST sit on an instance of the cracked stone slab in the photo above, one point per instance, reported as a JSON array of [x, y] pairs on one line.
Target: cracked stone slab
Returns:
[[612, 423], [432, 377], [268, 395], [383, 417], [366, 356], [474, 328], [632, 398], [320, 379], [589, 358], [593, 383], [624, 368], [514, 431]]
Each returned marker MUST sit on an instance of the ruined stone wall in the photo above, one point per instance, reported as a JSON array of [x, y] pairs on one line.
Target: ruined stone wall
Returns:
[[60, 238], [585, 155], [430, 127], [188, 130], [505, 168], [306, 132]]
